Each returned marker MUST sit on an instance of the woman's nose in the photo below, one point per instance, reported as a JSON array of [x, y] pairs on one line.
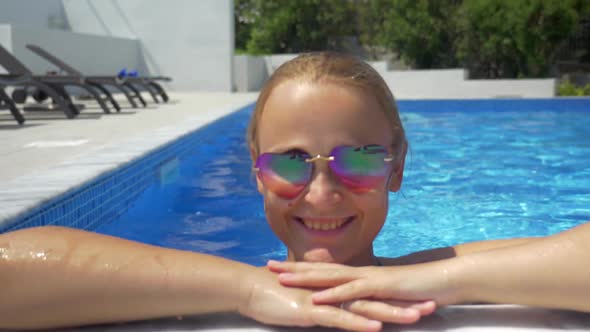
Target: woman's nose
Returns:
[[323, 188]]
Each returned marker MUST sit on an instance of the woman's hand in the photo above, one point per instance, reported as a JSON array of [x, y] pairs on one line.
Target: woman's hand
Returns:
[[271, 303], [418, 287]]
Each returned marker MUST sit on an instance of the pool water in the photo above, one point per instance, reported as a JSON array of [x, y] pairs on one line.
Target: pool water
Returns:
[[469, 176]]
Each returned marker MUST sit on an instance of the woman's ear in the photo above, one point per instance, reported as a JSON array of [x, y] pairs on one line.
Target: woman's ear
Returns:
[[253, 156], [398, 172]]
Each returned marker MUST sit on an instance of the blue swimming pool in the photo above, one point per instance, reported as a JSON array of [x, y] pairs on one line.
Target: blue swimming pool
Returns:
[[471, 174]]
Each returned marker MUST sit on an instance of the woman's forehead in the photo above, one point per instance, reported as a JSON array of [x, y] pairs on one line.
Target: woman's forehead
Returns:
[[324, 115]]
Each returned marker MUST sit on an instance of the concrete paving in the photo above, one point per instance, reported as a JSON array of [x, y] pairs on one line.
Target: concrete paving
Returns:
[[51, 154]]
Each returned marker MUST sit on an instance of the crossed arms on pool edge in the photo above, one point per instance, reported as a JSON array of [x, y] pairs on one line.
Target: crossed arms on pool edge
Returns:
[[55, 277]]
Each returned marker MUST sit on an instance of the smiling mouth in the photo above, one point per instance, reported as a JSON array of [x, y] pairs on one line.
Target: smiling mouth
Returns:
[[325, 224]]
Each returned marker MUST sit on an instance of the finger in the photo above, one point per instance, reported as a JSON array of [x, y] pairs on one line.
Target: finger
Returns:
[[277, 266], [383, 311], [335, 317], [356, 289], [322, 278], [424, 308]]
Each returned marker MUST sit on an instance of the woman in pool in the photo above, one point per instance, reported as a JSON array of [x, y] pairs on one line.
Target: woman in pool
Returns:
[[327, 147]]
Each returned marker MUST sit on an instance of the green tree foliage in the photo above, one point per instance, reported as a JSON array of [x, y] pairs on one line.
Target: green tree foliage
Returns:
[[277, 26], [507, 38], [370, 24], [421, 32], [492, 38], [567, 88], [243, 23]]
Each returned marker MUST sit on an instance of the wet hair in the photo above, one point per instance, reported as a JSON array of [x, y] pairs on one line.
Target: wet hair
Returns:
[[329, 67]]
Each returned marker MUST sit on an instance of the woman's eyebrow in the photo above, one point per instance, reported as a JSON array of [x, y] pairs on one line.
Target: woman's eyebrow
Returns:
[[286, 148], [294, 151]]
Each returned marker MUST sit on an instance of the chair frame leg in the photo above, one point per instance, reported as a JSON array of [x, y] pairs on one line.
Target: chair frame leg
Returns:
[[59, 97], [107, 93], [11, 106], [121, 88], [136, 93], [160, 90], [146, 87], [95, 95]]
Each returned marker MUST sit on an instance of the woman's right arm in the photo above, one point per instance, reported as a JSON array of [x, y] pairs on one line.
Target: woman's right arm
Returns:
[[62, 276], [55, 277]]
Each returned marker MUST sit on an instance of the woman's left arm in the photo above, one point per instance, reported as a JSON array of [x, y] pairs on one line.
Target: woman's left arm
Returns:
[[550, 272], [462, 249]]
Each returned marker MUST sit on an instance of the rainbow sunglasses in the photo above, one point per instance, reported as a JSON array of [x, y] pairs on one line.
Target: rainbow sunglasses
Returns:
[[360, 169]]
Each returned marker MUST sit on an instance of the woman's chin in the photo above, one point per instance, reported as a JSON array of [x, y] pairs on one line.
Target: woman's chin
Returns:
[[315, 254], [327, 255], [319, 255]]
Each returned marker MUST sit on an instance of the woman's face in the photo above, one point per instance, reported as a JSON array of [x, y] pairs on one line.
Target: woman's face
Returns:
[[315, 118]]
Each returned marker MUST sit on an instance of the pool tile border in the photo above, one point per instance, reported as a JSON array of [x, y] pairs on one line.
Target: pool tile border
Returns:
[[99, 186]]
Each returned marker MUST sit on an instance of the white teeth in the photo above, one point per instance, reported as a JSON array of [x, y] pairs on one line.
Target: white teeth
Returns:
[[323, 226]]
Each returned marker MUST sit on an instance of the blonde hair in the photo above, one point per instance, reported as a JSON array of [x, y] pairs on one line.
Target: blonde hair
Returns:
[[336, 68]]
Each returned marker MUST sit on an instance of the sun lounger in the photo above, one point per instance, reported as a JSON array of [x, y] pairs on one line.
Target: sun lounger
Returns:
[[147, 84], [130, 92], [51, 85]]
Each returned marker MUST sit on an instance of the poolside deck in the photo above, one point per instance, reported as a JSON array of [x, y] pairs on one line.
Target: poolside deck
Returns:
[[476, 318], [51, 154]]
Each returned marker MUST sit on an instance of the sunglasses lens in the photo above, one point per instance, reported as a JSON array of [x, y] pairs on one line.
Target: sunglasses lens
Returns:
[[361, 169], [284, 174]]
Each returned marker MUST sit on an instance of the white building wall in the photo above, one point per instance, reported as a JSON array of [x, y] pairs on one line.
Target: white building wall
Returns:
[[33, 14], [274, 61], [191, 41], [78, 50], [250, 73], [509, 88], [414, 84], [501, 88], [437, 75], [5, 40]]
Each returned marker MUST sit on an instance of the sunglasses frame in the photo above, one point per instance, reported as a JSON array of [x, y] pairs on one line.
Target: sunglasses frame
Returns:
[[388, 158]]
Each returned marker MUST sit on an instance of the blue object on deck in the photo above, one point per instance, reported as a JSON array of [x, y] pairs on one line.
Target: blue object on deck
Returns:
[[122, 73]]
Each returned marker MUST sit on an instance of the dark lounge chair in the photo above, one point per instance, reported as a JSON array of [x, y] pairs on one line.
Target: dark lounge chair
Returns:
[[147, 84], [49, 85], [120, 85]]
